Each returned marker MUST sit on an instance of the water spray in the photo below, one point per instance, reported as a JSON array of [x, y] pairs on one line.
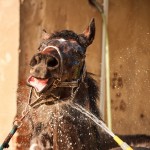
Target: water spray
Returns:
[[101, 124]]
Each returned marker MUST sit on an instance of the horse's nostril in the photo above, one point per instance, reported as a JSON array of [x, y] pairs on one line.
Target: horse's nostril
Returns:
[[52, 62], [35, 60]]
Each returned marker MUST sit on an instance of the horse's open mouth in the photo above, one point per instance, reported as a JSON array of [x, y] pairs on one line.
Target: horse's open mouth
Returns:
[[38, 84]]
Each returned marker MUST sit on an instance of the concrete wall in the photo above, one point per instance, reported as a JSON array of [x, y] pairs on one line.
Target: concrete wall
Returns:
[[129, 30], [9, 44]]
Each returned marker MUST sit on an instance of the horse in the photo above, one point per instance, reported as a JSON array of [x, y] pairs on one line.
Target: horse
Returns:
[[59, 79]]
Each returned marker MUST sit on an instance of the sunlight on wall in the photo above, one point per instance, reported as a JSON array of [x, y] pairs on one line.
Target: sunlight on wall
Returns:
[[9, 44]]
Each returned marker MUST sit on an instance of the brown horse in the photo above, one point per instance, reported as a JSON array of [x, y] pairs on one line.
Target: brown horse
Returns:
[[59, 79]]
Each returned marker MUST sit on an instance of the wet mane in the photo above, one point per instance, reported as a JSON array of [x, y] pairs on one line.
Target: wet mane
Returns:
[[89, 90], [70, 35], [93, 92], [66, 34]]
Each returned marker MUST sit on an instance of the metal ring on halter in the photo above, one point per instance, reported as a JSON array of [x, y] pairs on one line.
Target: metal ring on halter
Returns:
[[61, 59], [18, 123], [26, 111]]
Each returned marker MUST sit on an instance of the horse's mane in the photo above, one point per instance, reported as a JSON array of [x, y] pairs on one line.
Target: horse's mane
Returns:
[[70, 35], [66, 34], [93, 92]]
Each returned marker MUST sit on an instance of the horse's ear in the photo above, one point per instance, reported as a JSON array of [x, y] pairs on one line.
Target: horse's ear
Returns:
[[45, 35], [89, 32]]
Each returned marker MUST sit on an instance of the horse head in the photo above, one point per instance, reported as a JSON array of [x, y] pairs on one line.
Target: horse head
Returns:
[[60, 60]]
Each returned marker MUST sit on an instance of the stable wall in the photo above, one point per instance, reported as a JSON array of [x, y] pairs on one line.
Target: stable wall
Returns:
[[129, 34], [9, 45]]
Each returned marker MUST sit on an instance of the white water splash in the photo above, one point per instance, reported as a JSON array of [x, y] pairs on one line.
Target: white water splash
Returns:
[[98, 122]]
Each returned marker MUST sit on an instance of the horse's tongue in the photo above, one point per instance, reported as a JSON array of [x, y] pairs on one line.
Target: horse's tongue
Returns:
[[38, 84]]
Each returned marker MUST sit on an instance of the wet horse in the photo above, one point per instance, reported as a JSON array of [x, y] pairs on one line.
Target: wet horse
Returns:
[[59, 78]]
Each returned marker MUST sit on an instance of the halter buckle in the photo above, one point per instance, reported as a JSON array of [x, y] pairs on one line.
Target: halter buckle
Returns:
[[56, 83]]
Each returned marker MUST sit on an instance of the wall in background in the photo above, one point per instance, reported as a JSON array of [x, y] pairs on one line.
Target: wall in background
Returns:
[[9, 44], [129, 33]]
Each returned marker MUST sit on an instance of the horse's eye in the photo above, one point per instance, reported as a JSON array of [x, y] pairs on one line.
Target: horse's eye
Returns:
[[35, 60], [52, 62]]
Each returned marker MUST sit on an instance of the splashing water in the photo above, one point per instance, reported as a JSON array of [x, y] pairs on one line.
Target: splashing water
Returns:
[[101, 124]]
